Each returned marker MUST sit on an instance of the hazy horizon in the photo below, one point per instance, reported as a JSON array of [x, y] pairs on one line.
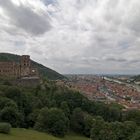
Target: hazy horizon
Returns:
[[74, 36]]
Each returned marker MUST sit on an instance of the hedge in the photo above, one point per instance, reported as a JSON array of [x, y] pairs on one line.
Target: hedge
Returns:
[[5, 128]]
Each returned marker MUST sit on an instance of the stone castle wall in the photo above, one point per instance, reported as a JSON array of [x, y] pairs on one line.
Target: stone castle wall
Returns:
[[14, 70]]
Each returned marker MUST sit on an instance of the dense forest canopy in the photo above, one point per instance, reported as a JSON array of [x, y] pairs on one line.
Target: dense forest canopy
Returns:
[[57, 110]]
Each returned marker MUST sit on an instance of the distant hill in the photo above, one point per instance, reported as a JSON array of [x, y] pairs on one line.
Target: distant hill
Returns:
[[44, 71]]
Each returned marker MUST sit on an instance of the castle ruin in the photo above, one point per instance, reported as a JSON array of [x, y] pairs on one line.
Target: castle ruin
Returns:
[[18, 70]]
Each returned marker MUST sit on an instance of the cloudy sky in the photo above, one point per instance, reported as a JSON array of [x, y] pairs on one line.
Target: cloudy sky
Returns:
[[74, 36]]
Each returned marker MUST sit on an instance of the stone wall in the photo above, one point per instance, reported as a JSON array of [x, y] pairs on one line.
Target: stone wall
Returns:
[[24, 69], [8, 69]]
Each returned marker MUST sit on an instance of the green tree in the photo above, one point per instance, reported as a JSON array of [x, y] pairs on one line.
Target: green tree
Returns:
[[132, 115], [136, 135], [6, 102], [98, 125], [88, 122], [32, 117], [118, 129], [52, 121], [23, 102], [114, 114], [10, 115], [16, 95], [64, 106], [106, 132], [77, 120], [129, 129]]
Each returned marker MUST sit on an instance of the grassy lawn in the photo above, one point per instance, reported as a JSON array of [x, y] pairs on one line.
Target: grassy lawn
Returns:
[[75, 137], [24, 134]]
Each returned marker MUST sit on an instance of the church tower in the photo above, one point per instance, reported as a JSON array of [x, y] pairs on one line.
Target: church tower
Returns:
[[25, 65]]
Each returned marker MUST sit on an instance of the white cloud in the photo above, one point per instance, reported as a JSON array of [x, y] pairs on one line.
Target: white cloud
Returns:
[[74, 36]]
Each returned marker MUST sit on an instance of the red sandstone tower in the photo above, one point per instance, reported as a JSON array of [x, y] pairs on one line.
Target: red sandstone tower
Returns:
[[25, 65]]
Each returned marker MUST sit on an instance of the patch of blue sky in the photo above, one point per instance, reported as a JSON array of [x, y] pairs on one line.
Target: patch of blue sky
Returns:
[[19, 43], [48, 2], [124, 45]]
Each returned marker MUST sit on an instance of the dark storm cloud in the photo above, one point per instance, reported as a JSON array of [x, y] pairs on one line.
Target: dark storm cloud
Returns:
[[25, 18]]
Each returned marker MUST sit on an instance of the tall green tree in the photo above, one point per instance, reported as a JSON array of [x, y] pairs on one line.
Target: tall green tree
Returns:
[[77, 120], [98, 125], [64, 106], [52, 121], [88, 122]]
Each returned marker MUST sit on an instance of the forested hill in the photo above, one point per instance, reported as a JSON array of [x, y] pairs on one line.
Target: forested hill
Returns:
[[136, 78], [44, 71]]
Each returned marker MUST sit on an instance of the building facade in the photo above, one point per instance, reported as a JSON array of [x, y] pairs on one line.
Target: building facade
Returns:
[[18, 70]]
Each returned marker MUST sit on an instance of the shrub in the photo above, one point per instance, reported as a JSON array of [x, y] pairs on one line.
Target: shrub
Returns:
[[5, 128], [10, 115]]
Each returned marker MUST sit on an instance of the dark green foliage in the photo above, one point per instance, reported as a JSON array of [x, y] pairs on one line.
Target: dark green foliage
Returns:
[[9, 111], [74, 99], [23, 102], [96, 128], [136, 135], [7, 83], [114, 114], [49, 108], [130, 128], [88, 122], [32, 117], [20, 101], [81, 122], [47, 72], [107, 133], [16, 95], [10, 115], [132, 115], [102, 130], [52, 121], [118, 130], [77, 120], [64, 106], [5, 128], [108, 112], [6, 102], [118, 106]]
